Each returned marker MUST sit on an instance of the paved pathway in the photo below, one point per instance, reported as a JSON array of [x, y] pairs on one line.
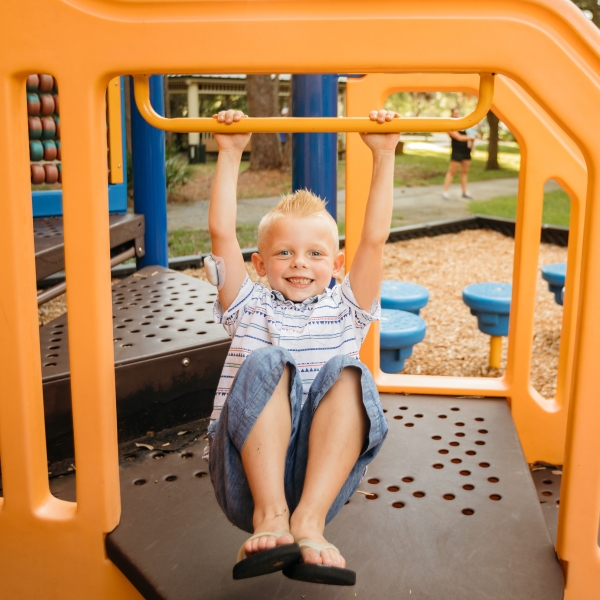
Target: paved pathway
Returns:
[[413, 204]]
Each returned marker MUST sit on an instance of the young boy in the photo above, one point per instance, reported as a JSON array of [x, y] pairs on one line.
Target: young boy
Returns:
[[297, 416]]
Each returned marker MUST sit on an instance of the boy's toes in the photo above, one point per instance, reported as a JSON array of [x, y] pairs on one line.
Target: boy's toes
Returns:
[[260, 544], [331, 558], [311, 556], [266, 543], [284, 539]]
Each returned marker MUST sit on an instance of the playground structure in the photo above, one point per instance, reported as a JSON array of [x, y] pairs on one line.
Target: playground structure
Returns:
[[126, 231], [400, 331], [490, 303], [555, 275], [54, 548], [403, 295], [546, 153]]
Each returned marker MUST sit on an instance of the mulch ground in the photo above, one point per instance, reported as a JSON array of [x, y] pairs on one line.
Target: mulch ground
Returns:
[[445, 265]]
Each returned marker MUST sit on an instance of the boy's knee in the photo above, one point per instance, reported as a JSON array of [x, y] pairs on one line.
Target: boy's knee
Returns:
[[340, 363], [350, 374]]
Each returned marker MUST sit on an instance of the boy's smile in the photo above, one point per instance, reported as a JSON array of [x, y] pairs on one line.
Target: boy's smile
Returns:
[[299, 257]]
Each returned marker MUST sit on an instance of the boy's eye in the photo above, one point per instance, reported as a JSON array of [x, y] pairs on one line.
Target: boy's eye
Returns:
[[315, 253], [284, 253]]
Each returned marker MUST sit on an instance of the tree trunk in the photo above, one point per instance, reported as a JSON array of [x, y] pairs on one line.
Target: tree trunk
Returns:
[[492, 161], [263, 101]]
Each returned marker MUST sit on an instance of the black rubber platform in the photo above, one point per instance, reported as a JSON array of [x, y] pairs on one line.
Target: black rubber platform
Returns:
[[447, 511], [49, 240], [547, 479], [168, 357]]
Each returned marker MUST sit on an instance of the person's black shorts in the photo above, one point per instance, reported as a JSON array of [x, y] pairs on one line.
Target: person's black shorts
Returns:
[[460, 156]]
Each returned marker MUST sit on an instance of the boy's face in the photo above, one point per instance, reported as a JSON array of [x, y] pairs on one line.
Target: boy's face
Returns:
[[299, 257]]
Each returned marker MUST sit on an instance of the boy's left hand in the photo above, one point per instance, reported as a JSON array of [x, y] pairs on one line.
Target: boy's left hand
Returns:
[[385, 142]]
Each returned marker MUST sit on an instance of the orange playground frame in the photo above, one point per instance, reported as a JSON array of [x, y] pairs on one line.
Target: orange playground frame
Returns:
[[55, 549]]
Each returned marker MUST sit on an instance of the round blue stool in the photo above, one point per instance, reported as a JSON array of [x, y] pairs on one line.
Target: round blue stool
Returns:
[[403, 295], [490, 303], [555, 274], [399, 332]]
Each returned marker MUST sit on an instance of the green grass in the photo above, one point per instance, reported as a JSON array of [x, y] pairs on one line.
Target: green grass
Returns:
[[183, 242], [417, 167], [502, 148], [557, 208]]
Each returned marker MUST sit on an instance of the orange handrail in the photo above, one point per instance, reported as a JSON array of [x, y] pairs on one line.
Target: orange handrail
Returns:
[[141, 86]]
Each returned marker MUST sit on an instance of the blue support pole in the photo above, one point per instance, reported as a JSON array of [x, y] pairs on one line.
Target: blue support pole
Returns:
[[314, 155], [150, 177]]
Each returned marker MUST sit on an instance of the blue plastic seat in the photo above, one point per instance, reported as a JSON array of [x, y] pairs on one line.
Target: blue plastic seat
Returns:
[[403, 295], [399, 332], [555, 274], [490, 303]]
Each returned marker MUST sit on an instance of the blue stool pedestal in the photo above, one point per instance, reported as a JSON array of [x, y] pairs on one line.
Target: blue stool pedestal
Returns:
[[399, 332], [403, 295], [555, 274], [490, 303]]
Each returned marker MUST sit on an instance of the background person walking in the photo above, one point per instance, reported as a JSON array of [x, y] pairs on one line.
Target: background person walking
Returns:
[[462, 144]]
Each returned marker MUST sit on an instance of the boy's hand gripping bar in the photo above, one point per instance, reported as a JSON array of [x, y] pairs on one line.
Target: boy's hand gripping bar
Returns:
[[141, 88]]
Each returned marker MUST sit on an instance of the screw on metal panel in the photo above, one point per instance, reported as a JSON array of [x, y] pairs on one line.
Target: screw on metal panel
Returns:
[[185, 362]]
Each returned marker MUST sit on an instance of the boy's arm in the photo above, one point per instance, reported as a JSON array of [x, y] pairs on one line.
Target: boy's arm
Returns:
[[367, 268], [223, 208]]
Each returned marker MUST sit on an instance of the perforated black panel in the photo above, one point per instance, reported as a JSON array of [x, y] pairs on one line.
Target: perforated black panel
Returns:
[[156, 311], [168, 357], [447, 511], [48, 236]]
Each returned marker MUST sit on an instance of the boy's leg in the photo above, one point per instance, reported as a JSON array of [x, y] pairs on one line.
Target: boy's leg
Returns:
[[347, 428], [264, 457], [244, 461]]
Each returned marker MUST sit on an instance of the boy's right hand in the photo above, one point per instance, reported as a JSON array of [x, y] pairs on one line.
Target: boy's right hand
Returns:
[[231, 141]]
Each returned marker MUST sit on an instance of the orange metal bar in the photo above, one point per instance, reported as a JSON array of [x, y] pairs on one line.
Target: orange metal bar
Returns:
[[311, 124], [115, 136]]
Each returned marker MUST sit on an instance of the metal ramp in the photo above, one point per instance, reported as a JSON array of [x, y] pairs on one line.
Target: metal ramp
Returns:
[[448, 511], [48, 235], [168, 357]]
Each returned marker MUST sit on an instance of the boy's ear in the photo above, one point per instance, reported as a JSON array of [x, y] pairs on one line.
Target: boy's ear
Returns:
[[259, 264], [338, 263]]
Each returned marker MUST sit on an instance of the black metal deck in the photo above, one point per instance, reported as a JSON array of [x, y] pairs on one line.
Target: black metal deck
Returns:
[[168, 357], [448, 511], [48, 235]]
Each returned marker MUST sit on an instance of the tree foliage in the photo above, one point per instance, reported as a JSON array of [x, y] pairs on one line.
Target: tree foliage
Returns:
[[590, 9], [430, 104]]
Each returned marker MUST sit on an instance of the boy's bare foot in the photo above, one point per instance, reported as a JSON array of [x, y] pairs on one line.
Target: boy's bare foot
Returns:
[[306, 527], [276, 524]]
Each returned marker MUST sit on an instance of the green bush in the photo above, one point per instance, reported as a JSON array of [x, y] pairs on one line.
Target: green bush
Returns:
[[178, 170]]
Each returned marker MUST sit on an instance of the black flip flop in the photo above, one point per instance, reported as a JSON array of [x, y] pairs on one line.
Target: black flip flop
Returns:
[[266, 561], [319, 573]]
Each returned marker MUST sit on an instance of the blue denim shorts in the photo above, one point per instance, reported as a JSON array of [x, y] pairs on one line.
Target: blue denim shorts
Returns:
[[252, 388]]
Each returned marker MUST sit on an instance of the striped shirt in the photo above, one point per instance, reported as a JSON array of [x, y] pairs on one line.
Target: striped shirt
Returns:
[[314, 330]]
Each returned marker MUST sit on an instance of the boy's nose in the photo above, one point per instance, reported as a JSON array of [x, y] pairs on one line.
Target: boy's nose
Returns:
[[299, 262]]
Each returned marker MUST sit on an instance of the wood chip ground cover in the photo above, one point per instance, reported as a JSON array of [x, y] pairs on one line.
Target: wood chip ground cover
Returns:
[[445, 265]]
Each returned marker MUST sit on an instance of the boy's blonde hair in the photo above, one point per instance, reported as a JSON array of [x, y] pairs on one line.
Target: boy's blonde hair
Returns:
[[300, 204]]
